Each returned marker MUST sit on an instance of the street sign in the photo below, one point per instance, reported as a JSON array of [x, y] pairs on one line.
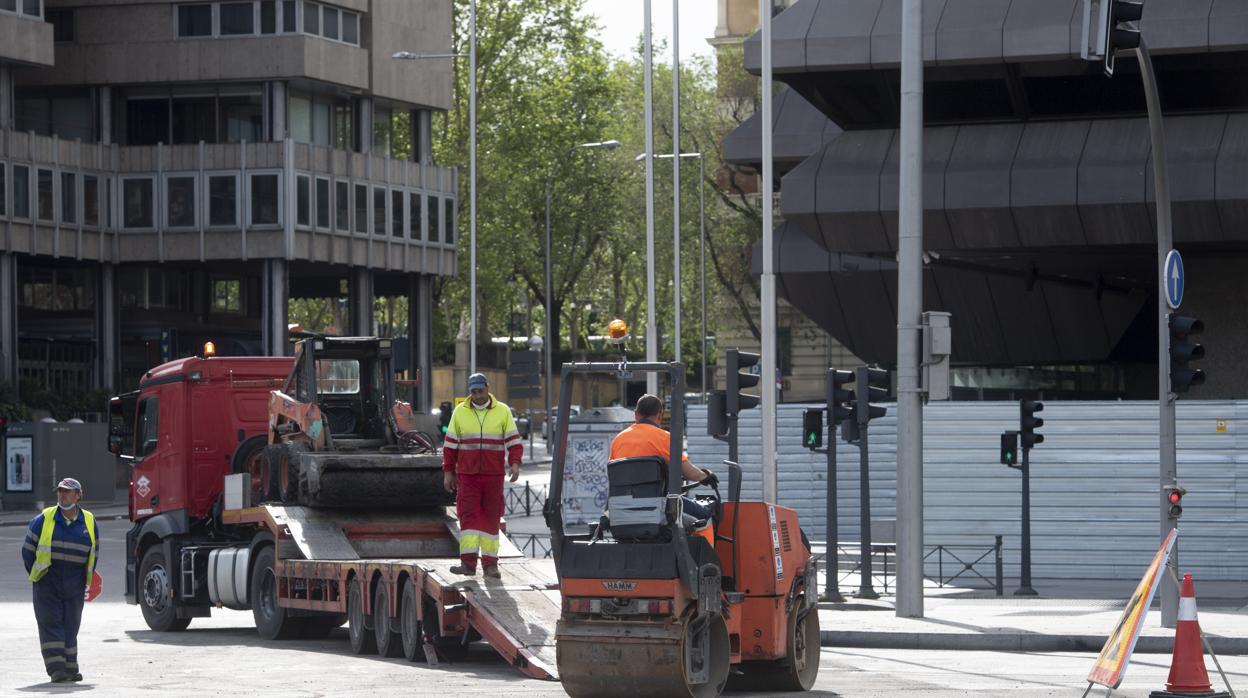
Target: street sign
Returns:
[[1174, 278], [524, 374]]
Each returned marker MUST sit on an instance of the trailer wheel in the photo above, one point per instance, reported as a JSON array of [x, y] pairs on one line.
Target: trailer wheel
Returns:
[[389, 642], [156, 593], [362, 639], [452, 649], [272, 621], [409, 626], [249, 460]]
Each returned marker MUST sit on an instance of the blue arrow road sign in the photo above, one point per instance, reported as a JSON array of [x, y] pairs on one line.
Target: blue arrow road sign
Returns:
[[1174, 279]]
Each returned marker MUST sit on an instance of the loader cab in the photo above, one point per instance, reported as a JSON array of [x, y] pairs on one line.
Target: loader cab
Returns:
[[350, 380]]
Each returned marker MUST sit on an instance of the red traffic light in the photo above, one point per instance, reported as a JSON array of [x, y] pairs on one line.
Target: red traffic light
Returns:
[[1175, 497]]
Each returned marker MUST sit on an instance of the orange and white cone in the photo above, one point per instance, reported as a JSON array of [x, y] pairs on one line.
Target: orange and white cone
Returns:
[[1188, 677]]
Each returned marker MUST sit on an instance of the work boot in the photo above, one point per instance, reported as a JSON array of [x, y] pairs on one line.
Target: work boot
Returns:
[[62, 677], [492, 571], [464, 570], [76, 677]]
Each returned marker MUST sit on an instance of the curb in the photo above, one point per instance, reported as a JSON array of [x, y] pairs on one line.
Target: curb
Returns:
[[100, 517], [1010, 642]]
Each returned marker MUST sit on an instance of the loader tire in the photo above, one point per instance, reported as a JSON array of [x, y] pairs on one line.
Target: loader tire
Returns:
[[249, 459]]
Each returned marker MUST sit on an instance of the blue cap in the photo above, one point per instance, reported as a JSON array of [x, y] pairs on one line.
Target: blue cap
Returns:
[[69, 483], [477, 380]]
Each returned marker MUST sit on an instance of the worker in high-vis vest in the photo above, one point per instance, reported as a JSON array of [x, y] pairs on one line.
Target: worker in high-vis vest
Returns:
[[481, 442], [60, 552]]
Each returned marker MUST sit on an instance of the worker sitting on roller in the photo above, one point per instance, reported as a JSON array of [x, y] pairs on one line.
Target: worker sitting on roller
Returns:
[[646, 439]]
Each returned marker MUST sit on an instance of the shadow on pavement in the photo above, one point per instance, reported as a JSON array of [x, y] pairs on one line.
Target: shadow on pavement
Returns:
[[49, 687]]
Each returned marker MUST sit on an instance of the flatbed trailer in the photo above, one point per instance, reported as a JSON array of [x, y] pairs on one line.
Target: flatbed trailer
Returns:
[[329, 563]]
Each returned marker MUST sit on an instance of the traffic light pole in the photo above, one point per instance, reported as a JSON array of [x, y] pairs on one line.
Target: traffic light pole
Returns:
[[832, 573], [865, 590], [1024, 576], [1165, 398]]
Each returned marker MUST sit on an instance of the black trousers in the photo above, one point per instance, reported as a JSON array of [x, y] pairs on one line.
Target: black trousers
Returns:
[[58, 611]]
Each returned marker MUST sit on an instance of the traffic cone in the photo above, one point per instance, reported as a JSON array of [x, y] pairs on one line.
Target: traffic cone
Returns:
[[1188, 677]]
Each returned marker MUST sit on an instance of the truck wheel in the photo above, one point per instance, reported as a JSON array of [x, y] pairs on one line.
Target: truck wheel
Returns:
[[249, 459], [156, 593], [272, 621], [452, 649], [409, 626], [389, 642], [362, 639]]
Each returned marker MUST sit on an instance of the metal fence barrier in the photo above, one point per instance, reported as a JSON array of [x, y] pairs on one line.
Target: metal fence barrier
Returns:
[[534, 545], [525, 500], [884, 556]]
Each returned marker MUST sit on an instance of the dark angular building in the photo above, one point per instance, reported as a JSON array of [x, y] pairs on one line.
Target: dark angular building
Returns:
[[1039, 224]]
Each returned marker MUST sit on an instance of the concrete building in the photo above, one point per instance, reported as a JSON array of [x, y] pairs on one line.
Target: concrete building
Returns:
[[177, 172], [1039, 228]]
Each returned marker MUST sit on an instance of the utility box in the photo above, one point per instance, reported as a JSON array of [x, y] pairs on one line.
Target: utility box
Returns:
[[937, 350], [585, 490], [37, 455]]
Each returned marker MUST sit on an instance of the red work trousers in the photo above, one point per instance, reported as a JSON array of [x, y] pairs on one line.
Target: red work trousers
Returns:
[[479, 504]]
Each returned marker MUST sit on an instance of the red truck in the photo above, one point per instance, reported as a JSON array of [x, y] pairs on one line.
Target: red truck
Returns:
[[213, 453]]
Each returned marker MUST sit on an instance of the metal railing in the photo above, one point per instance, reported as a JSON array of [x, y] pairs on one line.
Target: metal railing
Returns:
[[883, 564], [943, 551], [525, 500], [534, 545]]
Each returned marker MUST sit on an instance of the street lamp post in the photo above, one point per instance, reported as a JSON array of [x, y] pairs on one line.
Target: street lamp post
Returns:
[[551, 345], [702, 251]]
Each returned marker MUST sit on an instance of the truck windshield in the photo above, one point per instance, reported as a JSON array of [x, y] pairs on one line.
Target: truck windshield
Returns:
[[337, 376]]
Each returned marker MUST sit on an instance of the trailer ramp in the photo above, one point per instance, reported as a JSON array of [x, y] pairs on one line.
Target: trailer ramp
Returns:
[[515, 614]]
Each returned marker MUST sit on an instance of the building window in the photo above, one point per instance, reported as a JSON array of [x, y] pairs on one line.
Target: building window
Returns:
[[237, 18], [382, 124], [227, 296], [137, 193], [290, 17], [32, 8], [311, 19], [351, 28], [21, 191], [344, 118], [268, 17], [4, 192], [434, 230], [180, 201], [91, 200], [46, 207], [396, 213], [194, 20], [69, 197], [303, 204], [322, 126], [147, 121], [361, 208], [222, 200], [242, 118], [265, 199], [194, 120], [450, 221], [320, 120], [379, 210], [8, 5], [329, 23], [62, 22], [65, 112], [322, 203], [342, 206], [413, 216], [58, 290]]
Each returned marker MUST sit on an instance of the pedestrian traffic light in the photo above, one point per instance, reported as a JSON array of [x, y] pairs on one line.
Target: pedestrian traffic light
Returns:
[[1009, 449], [1182, 351], [738, 381], [444, 419], [717, 414], [812, 428], [1107, 30], [1029, 423], [841, 404], [1174, 498], [870, 385]]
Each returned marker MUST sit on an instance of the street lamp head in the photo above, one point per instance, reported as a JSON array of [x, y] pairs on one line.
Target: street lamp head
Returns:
[[609, 145], [666, 156], [403, 56]]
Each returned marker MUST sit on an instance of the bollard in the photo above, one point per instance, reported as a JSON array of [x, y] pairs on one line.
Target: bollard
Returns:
[[1000, 570], [528, 510]]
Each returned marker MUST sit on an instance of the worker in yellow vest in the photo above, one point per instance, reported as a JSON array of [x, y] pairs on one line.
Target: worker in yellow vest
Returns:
[[60, 553]]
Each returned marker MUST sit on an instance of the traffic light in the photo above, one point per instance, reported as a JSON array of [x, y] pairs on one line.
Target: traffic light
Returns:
[[717, 414], [871, 385], [1182, 351], [842, 395], [812, 428], [1009, 449], [738, 381], [1110, 30], [1029, 423], [1174, 495], [444, 419]]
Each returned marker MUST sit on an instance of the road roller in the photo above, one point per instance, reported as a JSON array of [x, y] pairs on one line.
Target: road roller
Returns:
[[658, 603]]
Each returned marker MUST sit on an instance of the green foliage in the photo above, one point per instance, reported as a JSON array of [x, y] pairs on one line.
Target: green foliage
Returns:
[[62, 404]]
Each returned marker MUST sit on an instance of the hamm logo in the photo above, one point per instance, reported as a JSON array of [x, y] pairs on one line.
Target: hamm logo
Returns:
[[619, 586]]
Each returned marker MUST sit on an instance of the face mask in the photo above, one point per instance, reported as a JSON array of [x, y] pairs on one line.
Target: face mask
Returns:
[[483, 403], [66, 507]]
